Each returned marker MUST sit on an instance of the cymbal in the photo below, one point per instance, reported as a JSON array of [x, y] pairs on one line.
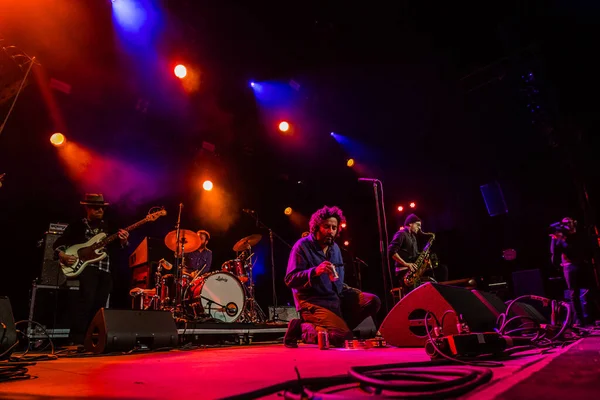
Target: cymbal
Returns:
[[189, 239], [245, 243]]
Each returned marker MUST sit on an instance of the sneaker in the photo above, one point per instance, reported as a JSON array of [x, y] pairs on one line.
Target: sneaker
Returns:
[[293, 334]]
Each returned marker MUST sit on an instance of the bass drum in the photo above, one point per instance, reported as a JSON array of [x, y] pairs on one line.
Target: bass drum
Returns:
[[219, 295]]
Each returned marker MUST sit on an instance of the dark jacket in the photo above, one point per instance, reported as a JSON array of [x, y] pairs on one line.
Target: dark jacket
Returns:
[[306, 286]]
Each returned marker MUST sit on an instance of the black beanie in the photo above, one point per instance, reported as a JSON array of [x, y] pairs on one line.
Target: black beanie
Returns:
[[412, 218]]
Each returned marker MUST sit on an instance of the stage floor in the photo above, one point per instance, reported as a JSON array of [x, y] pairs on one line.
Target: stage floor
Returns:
[[218, 372]]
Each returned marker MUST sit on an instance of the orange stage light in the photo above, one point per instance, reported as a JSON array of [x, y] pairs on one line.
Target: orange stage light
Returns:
[[287, 211], [58, 139], [350, 162], [207, 185], [180, 71]]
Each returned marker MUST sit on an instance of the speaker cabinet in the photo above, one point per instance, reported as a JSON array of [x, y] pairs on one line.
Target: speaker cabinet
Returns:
[[52, 307], [8, 337], [150, 250], [404, 326], [528, 282], [124, 330], [51, 272]]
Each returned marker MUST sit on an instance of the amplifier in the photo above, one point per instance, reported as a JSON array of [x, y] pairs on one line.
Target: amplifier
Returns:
[[51, 273], [150, 250], [52, 307], [143, 275], [57, 228]]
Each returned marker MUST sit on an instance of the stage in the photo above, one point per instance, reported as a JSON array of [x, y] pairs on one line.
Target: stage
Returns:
[[209, 373]]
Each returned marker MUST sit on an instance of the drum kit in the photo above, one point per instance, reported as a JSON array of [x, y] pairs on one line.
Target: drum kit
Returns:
[[226, 295]]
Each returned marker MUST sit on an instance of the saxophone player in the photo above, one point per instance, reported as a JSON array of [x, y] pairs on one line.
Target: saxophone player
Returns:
[[404, 248]]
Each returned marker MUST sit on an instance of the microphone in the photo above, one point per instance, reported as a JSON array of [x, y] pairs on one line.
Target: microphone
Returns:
[[248, 211]]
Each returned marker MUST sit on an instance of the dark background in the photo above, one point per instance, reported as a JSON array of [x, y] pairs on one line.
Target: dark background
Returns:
[[435, 100]]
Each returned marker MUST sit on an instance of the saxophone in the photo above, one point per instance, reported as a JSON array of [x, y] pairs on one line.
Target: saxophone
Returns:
[[412, 277]]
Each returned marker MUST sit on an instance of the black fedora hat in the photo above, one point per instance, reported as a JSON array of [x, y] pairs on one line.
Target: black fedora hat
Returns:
[[93, 199]]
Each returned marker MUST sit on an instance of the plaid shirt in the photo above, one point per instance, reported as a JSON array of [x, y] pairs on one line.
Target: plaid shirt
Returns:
[[104, 264], [69, 240]]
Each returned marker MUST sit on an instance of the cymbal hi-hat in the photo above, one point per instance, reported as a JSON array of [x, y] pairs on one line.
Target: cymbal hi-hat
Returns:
[[247, 242], [189, 239]]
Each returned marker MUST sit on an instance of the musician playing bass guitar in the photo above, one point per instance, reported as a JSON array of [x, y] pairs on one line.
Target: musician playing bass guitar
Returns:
[[95, 281], [404, 251]]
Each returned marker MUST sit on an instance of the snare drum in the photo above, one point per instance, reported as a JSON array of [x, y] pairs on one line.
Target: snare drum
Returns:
[[235, 267], [219, 295]]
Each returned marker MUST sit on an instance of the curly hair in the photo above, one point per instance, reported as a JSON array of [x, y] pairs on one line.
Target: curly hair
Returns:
[[323, 214]]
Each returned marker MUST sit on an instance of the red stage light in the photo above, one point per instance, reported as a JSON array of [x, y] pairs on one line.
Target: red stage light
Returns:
[[284, 126], [180, 71], [412, 205], [346, 243], [343, 225], [400, 208]]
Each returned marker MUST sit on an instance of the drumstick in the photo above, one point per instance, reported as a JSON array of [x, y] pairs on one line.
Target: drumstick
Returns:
[[202, 269]]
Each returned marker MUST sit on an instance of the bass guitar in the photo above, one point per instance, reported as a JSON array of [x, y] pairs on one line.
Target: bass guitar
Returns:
[[92, 251]]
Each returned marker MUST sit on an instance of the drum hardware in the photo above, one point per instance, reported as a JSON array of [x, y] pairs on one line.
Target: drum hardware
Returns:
[[253, 311], [272, 234]]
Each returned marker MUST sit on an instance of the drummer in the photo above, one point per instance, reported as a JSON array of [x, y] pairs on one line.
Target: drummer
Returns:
[[199, 261]]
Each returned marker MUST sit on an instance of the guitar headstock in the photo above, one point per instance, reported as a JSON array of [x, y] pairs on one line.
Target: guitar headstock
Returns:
[[156, 215]]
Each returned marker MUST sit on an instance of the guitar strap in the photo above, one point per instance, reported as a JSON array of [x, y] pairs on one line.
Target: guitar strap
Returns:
[[91, 232]]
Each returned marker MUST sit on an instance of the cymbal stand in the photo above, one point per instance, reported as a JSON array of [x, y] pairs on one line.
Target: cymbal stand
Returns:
[[179, 280], [272, 234], [255, 313], [157, 301], [178, 254]]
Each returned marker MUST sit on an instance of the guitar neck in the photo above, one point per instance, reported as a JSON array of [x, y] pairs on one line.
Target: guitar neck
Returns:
[[115, 236]]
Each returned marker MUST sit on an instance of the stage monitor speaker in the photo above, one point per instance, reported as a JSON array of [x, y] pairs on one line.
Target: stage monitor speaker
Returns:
[[124, 330], [404, 326], [366, 329], [8, 337], [529, 311]]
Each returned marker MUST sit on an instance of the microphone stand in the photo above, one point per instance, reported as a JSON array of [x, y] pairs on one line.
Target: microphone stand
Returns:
[[272, 234], [356, 264], [178, 253], [385, 266], [358, 261]]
